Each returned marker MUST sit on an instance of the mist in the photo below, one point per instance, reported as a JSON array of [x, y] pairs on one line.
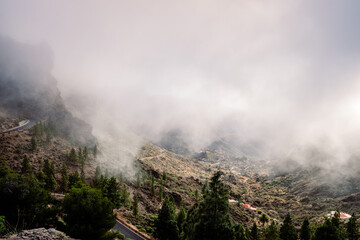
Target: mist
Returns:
[[281, 75]]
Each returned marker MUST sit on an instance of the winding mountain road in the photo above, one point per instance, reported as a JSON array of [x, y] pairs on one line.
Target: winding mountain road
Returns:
[[127, 231], [22, 125]]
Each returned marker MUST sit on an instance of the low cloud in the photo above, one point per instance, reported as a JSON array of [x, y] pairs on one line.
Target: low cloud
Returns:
[[282, 75]]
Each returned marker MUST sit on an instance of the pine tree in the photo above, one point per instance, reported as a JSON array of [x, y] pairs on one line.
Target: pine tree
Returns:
[[287, 230], [82, 175], [165, 224], [26, 167], [239, 232], [305, 232], [86, 153], [214, 220], [272, 232], [97, 175], [95, 151], [196, 194], [181, 219], [73, 156], [138, 180], [164, 176], [75, 180], [37, 130], [205, 188], [112, 191], [81, 157], [41, 178], [48, 135], [64, 178], [33, 143], [124, 197], [135, 206], [152, 189], [254, 232], [161, 191], [264, 219], [327, 231], [49, 171], [352, 228]]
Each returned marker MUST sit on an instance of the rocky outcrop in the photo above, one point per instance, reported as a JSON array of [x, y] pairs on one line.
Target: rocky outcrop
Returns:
[[41, 234]]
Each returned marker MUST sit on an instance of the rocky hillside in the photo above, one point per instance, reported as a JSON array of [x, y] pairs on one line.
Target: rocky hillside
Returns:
[[41, 234]]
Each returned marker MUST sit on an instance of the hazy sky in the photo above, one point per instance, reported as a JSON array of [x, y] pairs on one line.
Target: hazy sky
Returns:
[[285, 73]]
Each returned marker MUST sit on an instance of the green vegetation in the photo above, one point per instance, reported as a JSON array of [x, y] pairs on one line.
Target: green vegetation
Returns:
[[87, 213], [95, 151], [33, 144], [2, 225], [166, 225], [64, 178], [352, 228], [287, 230], [272, 232], [49, 171], [135, 206], [24, 202], [305, 231], [26, 168], [264, 219], [254, 232], [152, 189]]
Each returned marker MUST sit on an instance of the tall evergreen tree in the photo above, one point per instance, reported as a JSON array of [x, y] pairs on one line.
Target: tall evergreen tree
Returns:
[[86, 153], [180, 220], [264, 219], [82, 174], [75, 180], [73, 157], [166, 225], [33, 143], [254, 232], [135, 206], [214, 218], [287, 230], [113, 191], [95, 151], [272, 232], [81, 157], [196, 194], [64, 178], [152, 189], [138, 180], [327, 231], [191, 219], [26, 167], [49, 171], [205, 188], [97, 175], [352, 228], [161, 190], [305, 232], [239, 232]]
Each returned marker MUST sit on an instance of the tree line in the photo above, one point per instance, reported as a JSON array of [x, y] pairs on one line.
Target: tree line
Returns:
[[210, 219]]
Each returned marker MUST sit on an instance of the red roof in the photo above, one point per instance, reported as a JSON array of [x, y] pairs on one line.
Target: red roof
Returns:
[[344, 215]]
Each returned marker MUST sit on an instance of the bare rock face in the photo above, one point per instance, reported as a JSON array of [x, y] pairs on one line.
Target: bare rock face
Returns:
[[41, 234]]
